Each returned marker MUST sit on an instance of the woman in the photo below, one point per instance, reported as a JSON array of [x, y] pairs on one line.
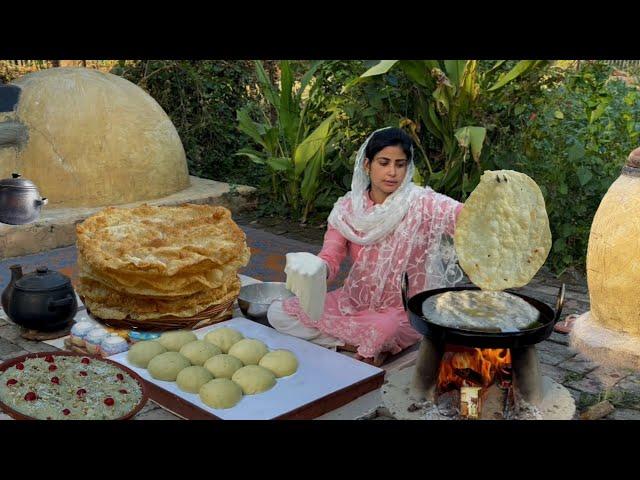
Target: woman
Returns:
[[389, 226]]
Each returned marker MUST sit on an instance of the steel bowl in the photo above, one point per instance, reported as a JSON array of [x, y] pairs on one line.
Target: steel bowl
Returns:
[[254, 300]]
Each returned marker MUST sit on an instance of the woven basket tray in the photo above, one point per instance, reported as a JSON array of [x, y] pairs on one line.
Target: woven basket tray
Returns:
[[213, 314]]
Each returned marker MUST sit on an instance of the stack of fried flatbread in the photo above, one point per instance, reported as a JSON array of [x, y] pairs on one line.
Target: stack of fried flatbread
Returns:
[[149, 262]]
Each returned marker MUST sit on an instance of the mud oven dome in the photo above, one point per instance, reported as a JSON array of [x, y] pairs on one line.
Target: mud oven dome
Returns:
[[468, 374], [88, 138]]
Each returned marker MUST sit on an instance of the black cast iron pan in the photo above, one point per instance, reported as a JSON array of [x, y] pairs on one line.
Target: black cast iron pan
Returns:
[[476, 338]]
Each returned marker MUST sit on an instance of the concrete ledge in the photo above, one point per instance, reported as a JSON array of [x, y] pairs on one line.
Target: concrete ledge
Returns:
[[610, 348], [56, 227]]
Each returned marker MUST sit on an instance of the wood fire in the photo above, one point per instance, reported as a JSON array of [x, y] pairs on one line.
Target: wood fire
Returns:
[[473, 367]]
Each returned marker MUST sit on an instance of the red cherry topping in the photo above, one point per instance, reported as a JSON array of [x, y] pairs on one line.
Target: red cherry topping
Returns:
[[83, 373], [20, 366], [55, 380], [85, 360], [49, 358], [11, 381], [120, 377], [66, 412], [81, 392], [109, 401], [123, 391], [30, 396], [52, 368]]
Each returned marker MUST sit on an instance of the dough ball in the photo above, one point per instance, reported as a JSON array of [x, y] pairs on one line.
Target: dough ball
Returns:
[[223, 365], [174, 341], [254, 379], [281, 362], [191, 379], [141, 353], [249, 351], [220, 393], [223, 338], [198, 351], [167, 366]]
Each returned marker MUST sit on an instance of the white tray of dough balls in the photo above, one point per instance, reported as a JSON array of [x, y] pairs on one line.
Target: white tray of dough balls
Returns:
[[241, 370]]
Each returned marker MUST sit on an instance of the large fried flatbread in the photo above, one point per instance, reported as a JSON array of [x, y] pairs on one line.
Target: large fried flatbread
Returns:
[[110, 304], [162, 285], [480, 310], [160, 240], [502, 234]]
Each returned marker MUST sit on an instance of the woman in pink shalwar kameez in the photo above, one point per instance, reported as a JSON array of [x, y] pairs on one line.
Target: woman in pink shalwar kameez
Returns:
[[388, 226]]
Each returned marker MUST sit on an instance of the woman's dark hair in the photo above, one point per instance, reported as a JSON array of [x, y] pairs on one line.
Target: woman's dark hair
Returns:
[[389, 137]]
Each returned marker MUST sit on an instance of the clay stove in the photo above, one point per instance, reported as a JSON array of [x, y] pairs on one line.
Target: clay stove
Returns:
[[507, 383]]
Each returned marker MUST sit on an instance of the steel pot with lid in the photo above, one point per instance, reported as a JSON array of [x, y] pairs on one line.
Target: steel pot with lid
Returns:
[[20, 201], [42, 300]]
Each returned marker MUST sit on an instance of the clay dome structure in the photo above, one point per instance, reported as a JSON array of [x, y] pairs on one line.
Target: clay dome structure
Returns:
[[88, 138]]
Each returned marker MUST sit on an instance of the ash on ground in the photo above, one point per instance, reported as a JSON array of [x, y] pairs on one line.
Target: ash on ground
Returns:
[[519, 409], [447, 407]]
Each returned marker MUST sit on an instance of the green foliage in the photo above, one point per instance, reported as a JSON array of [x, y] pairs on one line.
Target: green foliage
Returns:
[[201, 98], [450, 99], [293, 149], [573, 140], [360, 109]]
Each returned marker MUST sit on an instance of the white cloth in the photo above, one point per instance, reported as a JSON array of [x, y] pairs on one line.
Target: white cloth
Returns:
[[368, 227], [307, 279], [410, 217], [289, 325]]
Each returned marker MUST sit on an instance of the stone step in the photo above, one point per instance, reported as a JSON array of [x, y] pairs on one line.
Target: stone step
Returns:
[[56, 227]]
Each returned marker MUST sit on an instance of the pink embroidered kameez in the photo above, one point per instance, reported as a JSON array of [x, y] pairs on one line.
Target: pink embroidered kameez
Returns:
[[376, 322]]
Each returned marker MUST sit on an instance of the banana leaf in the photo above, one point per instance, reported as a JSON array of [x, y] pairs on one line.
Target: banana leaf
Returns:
[[267, 88], [441, 96], [306, 79], [417, 71], [520, 68], [253, 155], [468, 92], [433, 117], [288, 112], [280, 164], [473, 138], [496, 65], [249, 127], [455, 70], [271, 141], [311, 179], [313, 143], [381, 67]]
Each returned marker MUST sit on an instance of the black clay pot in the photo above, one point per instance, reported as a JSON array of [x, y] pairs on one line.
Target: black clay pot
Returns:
[[43, 300], [16, 274]]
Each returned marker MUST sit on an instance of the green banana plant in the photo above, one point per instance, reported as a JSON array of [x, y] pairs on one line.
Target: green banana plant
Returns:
[[293, 150], [447, 96]]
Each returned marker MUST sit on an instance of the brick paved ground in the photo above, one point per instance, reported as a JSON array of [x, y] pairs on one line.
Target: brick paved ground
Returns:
[[270, 239]]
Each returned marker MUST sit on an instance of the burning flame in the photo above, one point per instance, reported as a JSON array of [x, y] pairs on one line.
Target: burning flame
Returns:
[[472, 367]]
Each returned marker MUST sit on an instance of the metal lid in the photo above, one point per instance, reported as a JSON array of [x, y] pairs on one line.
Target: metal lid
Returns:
[[42, 280], [17, 182]]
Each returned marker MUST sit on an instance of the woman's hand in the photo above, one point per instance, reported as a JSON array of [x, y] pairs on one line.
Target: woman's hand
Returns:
[[307, 279]]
